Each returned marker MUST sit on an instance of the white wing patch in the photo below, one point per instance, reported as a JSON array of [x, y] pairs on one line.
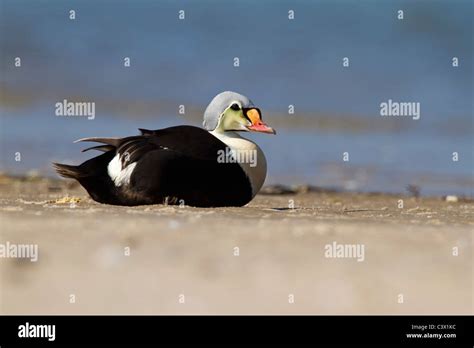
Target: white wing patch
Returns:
[[117, 174]]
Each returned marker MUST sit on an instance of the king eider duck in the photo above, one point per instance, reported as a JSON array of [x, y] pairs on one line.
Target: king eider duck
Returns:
[[211, 167]]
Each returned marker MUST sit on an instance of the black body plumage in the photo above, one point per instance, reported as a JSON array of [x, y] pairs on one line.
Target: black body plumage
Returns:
[[176, 165]]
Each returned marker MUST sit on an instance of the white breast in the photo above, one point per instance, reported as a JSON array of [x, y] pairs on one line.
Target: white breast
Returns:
[[246, 151]]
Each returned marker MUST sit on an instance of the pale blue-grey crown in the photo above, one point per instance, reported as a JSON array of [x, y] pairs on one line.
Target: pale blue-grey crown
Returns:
[[218, 105]]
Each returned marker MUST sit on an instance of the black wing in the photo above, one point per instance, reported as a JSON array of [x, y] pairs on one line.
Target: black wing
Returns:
[[191, 141]]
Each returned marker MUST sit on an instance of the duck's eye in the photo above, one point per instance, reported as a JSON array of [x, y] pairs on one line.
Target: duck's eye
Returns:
[[235, 107]]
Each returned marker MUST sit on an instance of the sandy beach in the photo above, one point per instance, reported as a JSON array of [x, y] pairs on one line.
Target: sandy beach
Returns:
[[265, 258]]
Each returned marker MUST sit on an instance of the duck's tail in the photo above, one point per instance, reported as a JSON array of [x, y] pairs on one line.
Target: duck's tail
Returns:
[[68, 171], [93, 176]]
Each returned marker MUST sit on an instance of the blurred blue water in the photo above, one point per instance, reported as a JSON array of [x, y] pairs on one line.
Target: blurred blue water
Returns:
[[282, 62]]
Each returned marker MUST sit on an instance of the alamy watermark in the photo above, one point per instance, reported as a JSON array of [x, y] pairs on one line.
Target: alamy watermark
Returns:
[[347, 251], [237, 156], [20, 251], [28, 330], [405, 109], [67, 108]]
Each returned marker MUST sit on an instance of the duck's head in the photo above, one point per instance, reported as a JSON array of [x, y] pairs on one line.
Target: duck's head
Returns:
[[230, 112]]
